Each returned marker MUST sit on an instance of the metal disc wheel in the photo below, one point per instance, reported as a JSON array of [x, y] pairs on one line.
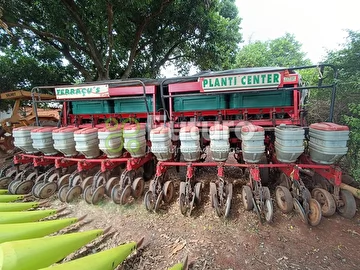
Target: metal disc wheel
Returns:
[[40, 178], [326, 201], [269, 211], [87, 182], [73, 193], [182, 203], [125, 195], [229, 195], [348, 207], [24, 187], [64, 180], [314, 214], [110, 184], [198, 192], [36, 188], [13, 185], [169, 191], [116, 194], [247, 198], [300, 210], [5, 181], [87, 195], [212, 190], [306, 194], [149, 200], [47, 189], [152, 186], [137, 187], [216, 204], [284, 199], [11, 173], [158, 201], [98, 195], [266, 193], [32, 176], [284, 181], [62, 192]]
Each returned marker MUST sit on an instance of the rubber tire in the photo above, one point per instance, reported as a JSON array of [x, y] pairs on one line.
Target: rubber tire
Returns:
[[348, 210]]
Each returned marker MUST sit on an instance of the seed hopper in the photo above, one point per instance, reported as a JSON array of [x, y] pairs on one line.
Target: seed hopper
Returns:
[[117, 135]]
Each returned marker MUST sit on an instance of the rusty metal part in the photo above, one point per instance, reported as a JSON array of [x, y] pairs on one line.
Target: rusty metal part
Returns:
[[64, 180], [300, 210], [116, 194], [149, 200], [169, 191], [88, 181], [159, 201], [326, 201], [247, 197], [5, 181]]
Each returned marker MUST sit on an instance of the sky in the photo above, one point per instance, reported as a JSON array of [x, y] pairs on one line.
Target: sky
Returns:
[[317, 24]]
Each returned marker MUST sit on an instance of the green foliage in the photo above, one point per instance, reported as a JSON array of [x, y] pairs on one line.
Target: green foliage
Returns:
[[284, 51], [120, 39], [353, 121]]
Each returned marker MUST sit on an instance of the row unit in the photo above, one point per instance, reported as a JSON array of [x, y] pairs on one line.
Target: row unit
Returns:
[[328, 142]]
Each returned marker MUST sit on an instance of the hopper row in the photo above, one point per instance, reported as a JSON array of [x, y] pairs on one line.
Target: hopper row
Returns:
[[90, 142]]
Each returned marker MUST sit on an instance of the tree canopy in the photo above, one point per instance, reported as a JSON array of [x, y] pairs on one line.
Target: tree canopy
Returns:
[[284, 51], [107, 39]]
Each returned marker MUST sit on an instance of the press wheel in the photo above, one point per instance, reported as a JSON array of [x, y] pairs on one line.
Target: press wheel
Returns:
[[116, 194], [47, 189], [284, 199], [247, 198], [229, 195], [110, 184], [158, 201], [269, 211], [125, 195], [149, 200], [13, 185], [348, 207], [87, 195], [326, 201], [98, 195], [62, 192], [182, 204], [32, 176], [73, 193], [40, 178], [169, 191], [137, 187], [11, 173], [314, 214], [24, 187], [300, 210], [198, 192], [36, 189]]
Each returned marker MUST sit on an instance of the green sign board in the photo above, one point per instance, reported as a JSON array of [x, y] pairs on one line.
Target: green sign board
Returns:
[[233, 82], [91, 91]]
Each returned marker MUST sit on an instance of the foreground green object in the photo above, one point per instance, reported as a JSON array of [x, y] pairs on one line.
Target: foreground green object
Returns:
[[25, 216], [32, 254], [104, 260], [11, 198], [4, 191], [21, 231], [10, 207], [180, 266]]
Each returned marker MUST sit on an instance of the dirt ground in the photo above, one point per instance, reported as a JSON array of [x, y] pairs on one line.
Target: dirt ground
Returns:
[[240, 242]]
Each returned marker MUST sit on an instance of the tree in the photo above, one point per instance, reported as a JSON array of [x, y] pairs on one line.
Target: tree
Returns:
[[120, 39], [284, 51]]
